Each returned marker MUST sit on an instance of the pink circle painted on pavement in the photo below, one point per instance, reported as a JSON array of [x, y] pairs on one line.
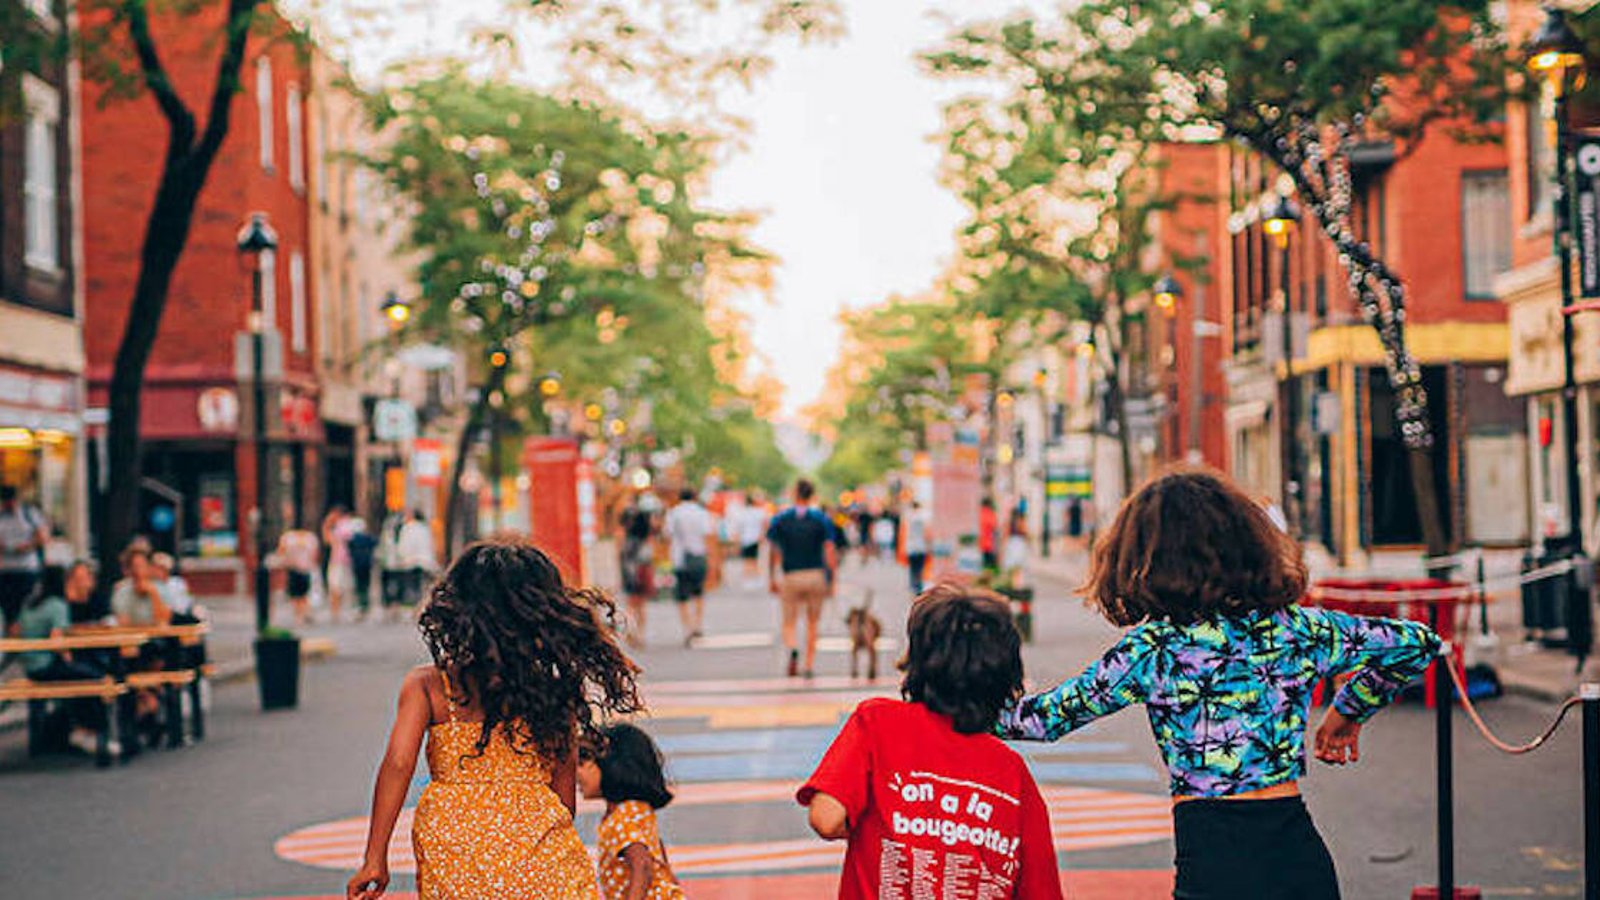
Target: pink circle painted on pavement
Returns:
[[1081, 819]]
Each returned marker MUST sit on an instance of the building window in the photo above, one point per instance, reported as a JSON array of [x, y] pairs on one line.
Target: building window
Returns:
[[41, 207], [321, 160], [297, 302], [295, 133], [264, 108], [1541, 160], [1485, 230], [269, 290]]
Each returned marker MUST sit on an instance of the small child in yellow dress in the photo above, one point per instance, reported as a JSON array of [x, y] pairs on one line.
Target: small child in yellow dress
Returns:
[[624, 768], [523, 668]]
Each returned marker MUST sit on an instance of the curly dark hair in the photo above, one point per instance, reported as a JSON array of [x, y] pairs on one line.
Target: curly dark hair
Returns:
[[538, 657], [630, 766], [963, 657], [1190, 546]]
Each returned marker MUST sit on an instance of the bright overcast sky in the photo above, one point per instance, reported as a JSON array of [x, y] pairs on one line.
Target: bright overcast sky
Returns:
[[841, 162]]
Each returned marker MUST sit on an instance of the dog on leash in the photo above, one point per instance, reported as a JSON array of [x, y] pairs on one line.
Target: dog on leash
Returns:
[[865, 629]]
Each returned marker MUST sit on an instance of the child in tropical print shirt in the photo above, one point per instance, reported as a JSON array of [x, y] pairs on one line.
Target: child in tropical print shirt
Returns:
[[1225, 663]]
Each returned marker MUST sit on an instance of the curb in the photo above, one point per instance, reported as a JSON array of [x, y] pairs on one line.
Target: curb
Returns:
[[1541, 689]]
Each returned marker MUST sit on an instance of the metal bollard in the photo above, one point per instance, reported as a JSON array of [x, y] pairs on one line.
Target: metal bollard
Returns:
[[1442, 708], [1590, 694]]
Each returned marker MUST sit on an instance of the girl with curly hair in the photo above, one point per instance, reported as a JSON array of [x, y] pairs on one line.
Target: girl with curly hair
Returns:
[[523, 667], [1224, 660]]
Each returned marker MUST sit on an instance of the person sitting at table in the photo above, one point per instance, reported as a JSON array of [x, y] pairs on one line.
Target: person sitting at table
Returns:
[[174, 589], [48, 615], [139, 598]]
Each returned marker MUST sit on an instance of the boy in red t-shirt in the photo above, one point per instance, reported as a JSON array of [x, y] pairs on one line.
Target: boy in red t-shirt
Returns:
[[932, 805]]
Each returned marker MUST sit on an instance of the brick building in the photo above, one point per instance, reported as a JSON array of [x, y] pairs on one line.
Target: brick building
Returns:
[[41, 340], [199, 463]]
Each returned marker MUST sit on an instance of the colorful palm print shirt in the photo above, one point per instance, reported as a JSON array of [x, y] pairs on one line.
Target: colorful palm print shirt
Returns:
[[1228, 699]]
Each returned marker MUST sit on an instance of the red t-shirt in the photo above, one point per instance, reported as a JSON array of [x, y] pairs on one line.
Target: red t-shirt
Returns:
[[934, 813]]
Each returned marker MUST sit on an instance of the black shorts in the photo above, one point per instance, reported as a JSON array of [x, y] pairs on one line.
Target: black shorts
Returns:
[[750, 551], [299, 584], [690, 582], [1223, 851]]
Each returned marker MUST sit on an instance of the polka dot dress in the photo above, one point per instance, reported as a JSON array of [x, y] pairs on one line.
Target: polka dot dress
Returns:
[[634, 822]]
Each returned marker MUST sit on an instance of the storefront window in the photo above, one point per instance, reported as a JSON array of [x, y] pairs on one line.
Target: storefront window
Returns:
[[39, 464]]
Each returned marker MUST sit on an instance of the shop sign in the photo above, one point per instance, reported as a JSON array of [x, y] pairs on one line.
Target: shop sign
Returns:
[[427, 463], [298, 413], [1588, 216], [39, 400], [393, 421], [218, 409]]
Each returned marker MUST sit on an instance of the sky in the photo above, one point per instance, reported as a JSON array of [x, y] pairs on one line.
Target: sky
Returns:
[[841, 161]]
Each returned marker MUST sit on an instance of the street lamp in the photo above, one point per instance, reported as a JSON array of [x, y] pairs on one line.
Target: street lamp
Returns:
[[1279, 224], [1168, 292], [395, 310], [499, 358], [1554, 52], [257, 238]]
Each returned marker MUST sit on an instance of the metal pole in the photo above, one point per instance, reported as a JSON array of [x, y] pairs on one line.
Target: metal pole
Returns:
[[495, 462], [1291, 508], [1046, 434], [259, 394], [1197, 386], [1590, 694], [1569, 388], [1445, 788]]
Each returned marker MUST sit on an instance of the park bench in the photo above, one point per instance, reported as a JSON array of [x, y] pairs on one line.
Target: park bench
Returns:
[[119, 687], [37, 694]]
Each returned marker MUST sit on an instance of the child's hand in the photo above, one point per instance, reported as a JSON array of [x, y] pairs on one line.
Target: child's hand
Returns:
[[369, 883], [1338, 739]]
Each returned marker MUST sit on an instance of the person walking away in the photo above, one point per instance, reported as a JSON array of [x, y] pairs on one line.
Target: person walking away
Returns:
[[689, 528], [394, 571], [917, 526], [524, 666], [362, 547], [864, 537], [336, 548], [417, 558], [805, 550], [23, 535], [624, 770], [903, 776], [988, 535], [638, 563], [1225, 661], [48, 614], [883, 536], [298, 551], [1015, 556], [751, 527]]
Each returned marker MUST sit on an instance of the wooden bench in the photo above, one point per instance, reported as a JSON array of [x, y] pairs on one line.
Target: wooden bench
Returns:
[[39, 693], [168, 684]]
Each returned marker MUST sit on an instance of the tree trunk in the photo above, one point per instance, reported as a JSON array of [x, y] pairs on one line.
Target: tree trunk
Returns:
[[1411, 407], [165, 235], [453, 511], [1117, 396]]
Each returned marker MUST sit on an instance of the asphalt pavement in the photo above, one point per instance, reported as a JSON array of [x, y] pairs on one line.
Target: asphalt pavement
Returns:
[[273, 805]]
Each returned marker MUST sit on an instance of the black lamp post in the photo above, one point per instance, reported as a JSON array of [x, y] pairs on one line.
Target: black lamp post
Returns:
[[397, 312], [1555, 52], [1167, 294], [256, 238], [1279, 225]]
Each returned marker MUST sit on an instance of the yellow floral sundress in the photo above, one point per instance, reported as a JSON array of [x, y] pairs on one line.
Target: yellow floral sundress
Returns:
[[634, 822], [490, 827]]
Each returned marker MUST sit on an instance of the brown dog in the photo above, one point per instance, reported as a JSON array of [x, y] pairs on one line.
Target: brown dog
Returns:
[[865, 629]]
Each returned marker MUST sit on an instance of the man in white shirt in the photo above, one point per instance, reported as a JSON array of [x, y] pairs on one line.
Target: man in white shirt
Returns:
[[689, 527], [751, 527], [23, 534]]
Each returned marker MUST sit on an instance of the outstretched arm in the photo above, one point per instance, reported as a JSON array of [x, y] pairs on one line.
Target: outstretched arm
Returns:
[[1381, 655], [1110, 683], [394, 780]]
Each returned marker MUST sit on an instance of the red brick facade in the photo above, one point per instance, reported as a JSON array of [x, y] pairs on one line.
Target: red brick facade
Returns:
[[123, 146]]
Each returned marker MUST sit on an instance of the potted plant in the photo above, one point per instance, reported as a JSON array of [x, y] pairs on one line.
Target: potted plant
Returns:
[[278, 668]]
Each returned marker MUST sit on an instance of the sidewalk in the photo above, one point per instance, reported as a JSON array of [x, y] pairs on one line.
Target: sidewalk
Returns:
[[1525, 669]]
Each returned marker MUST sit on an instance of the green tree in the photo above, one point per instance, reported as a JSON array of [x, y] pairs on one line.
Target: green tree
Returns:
[[1301, 84]]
